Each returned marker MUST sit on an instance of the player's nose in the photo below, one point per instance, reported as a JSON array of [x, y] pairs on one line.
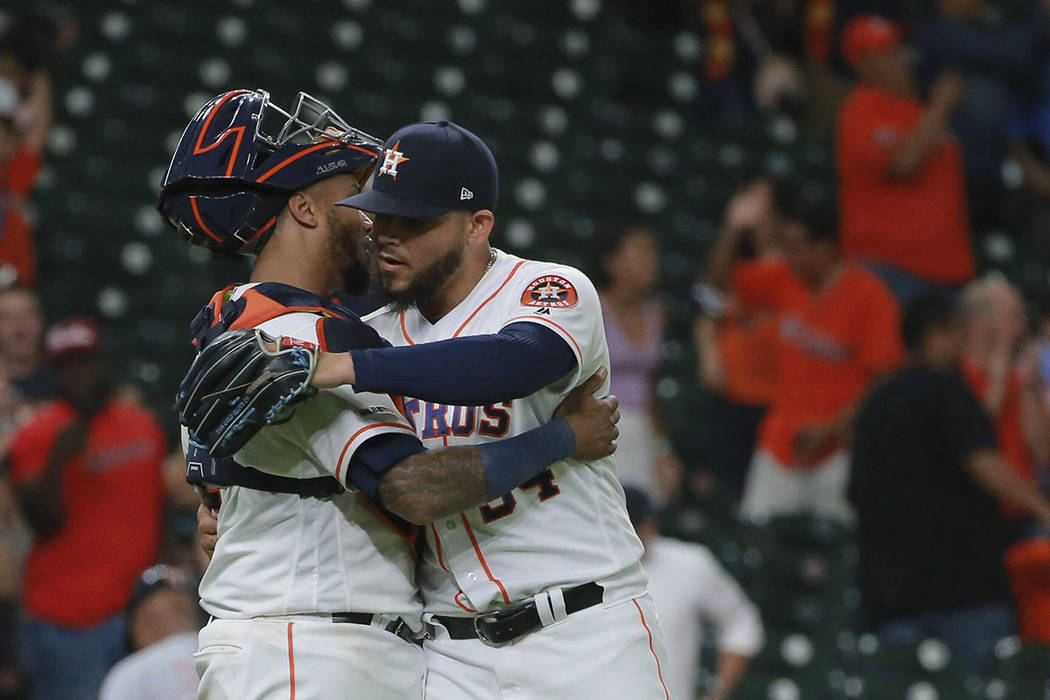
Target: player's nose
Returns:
[[385, 234]]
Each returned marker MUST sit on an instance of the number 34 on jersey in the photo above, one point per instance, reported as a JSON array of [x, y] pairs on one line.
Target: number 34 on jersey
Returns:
[[439, 421]]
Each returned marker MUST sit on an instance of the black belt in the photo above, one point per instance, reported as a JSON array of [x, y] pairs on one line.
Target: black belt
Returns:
[[502, 626], [398, 626]]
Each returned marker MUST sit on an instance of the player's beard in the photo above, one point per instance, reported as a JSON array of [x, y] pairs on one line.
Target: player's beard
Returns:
[[347, 251], [429, 280]]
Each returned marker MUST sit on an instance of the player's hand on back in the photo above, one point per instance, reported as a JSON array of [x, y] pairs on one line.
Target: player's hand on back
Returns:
[[207, 530], [592, 419]]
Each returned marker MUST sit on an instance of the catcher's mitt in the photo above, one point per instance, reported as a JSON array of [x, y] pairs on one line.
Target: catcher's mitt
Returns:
[[236, 386]]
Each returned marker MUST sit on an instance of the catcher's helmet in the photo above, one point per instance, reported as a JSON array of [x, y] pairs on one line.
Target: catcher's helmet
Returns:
[[240, 158]]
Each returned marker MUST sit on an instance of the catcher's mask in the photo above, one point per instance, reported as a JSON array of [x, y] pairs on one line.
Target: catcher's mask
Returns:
[[240, 158]]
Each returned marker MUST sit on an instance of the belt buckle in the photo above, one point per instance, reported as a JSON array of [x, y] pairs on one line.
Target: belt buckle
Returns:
[[485, 639], [404, 631]]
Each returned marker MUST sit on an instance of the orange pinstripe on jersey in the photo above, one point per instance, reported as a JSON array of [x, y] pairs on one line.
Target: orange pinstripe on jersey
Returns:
[[481, 558], [405, 530], [437, 546], [463, 605], [404, 331], [491, 297]]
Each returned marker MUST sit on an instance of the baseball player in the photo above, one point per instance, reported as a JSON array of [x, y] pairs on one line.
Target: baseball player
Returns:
[[538, 593], [312, 585]]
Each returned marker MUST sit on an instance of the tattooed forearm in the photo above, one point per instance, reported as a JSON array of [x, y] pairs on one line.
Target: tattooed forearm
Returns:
[[433, 484]]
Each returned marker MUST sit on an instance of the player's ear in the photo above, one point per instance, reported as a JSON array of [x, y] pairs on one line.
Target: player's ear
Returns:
[[481, 223], [304, 209]]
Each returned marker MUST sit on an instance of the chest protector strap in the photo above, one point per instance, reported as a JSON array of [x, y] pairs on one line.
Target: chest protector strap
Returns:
[[203, 470]]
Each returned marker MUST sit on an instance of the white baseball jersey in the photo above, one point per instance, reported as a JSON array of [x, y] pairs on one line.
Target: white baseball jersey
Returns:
[[279, 554], [688, 587], [567, 526]]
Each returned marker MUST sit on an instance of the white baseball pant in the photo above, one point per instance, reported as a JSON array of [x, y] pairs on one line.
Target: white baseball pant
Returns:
[[299, 658], [601, 653]]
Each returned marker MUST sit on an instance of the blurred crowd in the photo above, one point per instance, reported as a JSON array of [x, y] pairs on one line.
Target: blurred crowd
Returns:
[[90, 499], [862, 362], [865, 365]]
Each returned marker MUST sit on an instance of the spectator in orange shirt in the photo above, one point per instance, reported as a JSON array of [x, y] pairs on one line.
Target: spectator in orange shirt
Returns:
[[1002, 370], [838, 332], [19, 166], [900, 171], [86, 469], [736, 346]]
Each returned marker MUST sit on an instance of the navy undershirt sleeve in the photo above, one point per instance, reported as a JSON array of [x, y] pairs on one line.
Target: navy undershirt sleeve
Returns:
[[512, 461], [376, 457], [471, 371]]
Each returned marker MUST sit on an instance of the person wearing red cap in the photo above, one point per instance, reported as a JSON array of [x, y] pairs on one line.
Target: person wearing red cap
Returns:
[[901, 186], [85, 467]]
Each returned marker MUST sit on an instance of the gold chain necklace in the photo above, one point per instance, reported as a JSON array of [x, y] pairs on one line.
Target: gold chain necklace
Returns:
[[492, 261]]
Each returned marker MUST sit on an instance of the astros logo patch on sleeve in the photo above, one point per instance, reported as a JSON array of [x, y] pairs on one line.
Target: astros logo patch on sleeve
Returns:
[[553, 291]]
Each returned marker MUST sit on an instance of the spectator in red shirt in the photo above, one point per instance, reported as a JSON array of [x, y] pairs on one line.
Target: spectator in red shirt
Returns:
[[838, 328], [87, 469], [900, 171]]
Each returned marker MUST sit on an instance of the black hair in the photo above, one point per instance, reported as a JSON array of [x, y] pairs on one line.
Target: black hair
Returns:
[[817, 211], [31, 39], [921, 315], [606, 243]]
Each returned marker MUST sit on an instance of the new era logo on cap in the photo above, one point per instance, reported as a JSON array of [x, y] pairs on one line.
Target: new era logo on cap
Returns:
[[428, 169]]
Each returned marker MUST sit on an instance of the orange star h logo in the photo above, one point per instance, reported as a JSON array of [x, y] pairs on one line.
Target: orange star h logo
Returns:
[[549, 292], [391, 159]]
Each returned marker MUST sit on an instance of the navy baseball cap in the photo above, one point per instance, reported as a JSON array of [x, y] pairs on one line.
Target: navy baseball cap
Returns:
[[430, 168]]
